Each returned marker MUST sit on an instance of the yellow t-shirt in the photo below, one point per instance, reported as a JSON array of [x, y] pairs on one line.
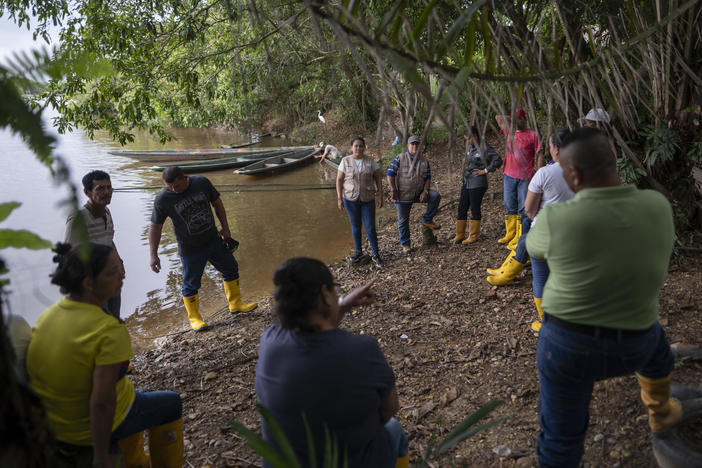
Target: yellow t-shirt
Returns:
[[68, 341]]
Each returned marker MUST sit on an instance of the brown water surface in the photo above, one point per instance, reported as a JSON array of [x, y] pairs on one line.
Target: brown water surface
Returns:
[[270, 225]]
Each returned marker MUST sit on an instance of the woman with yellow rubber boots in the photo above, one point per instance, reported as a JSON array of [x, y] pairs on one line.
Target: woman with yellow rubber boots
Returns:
[[481, 158], [76, 362]]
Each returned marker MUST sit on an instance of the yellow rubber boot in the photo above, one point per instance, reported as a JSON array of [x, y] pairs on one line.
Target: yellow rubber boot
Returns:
[[166, 445], [510, 272], [132, 448], [501, 268], [664, 411], [460, 231], [515, 240], [536, 325], [510, 229], [473, 231], [231, 289], [402, 462], [192, 305]]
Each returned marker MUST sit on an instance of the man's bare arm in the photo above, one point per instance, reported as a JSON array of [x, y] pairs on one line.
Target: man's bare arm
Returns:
[[222, 217], [154, 239]]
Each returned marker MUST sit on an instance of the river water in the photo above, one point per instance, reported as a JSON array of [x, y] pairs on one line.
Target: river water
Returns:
[[271, 226]]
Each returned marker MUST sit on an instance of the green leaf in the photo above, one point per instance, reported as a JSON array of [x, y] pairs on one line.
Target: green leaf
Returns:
[[470, 40], [7, 208], [328, 448], [487, 40], [22, 239], [476, 416], [279, 437], [261, 447], [457, 27], [407, 67], [312, 453], [395, 33], [448, 444], [423, 19], [394, 12]]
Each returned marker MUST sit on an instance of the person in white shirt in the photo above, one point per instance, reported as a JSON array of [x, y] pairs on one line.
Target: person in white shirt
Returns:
[[98, 222]]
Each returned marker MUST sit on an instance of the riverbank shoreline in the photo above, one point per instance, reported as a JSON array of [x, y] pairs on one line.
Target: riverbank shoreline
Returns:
[[454, 342]]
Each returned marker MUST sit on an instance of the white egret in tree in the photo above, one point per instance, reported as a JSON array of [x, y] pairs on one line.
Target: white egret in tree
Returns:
[[321, 117]]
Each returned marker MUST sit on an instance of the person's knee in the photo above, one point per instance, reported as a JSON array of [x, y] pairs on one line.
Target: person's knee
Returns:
[[177, 405], [398, 438], [172, 405]]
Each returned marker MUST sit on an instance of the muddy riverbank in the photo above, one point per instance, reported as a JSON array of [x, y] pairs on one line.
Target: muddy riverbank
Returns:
[[466, 343]]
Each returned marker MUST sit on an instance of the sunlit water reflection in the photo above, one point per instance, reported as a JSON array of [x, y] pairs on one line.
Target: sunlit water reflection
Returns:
[[271, 226]]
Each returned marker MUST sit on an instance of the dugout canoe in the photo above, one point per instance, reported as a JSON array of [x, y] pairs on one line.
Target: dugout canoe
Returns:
[[332, 164], [278, 164], [200, 154], [224, 163]]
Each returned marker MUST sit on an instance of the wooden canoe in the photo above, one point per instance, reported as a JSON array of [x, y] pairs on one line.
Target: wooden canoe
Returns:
[[198, 154], [332, 164], [278, 164], [223, 163]]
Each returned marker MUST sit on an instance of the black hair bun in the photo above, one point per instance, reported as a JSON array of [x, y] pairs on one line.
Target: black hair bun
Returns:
[[61, 249]]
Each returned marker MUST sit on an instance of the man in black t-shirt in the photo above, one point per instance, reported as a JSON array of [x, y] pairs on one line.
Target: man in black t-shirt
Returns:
[[186, 200]]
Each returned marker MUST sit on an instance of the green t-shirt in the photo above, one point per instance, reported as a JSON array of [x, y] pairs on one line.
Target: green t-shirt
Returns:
[[68, 341], [608, 251]]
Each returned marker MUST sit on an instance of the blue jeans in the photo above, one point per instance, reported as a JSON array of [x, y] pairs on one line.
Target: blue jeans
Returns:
[[520, 253], [150, 409], [470, 198], [403, 212], [358, 212], [539, 273], [194, 265], [398, 441], [569, 363], [515, 191]]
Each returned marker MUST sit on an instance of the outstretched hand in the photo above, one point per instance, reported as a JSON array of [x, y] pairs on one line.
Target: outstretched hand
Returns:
[[362, 295]]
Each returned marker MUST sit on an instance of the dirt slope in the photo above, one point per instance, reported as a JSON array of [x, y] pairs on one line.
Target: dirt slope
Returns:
[[467, 343]]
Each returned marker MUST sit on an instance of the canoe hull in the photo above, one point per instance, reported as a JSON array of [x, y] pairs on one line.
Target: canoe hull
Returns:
[[223, 163], [200, 154], [278, 164]]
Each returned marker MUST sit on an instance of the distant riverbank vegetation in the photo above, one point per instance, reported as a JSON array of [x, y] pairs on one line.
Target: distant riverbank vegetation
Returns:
[[395, 66]]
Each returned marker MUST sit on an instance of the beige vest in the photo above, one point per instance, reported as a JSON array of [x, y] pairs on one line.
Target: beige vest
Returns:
[[359, 183], [410, 176]]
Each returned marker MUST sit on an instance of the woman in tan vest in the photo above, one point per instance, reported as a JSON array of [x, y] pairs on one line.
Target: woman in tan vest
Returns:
[[357, 184]]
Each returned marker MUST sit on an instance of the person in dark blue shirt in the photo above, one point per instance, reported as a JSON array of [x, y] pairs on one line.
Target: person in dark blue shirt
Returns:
[[310, 370]]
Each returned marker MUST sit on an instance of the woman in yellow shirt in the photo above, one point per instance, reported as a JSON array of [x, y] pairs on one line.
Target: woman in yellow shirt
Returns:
[[77, 361]]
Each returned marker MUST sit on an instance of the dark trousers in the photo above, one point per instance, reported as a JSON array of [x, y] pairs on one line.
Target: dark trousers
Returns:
[[470, 198]]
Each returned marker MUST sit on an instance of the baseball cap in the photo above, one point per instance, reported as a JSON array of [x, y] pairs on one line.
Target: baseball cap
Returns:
[[597, 115], [414, 139], [521, 113]]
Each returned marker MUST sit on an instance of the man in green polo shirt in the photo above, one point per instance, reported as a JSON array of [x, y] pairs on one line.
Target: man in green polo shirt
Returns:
[[608, 251]]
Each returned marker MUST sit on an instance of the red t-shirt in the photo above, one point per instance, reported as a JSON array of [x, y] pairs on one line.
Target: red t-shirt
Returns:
[[519, 157]]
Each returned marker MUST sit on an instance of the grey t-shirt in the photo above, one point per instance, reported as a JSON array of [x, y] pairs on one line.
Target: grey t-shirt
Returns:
[[549, 182], [332, 377], [190, 212]]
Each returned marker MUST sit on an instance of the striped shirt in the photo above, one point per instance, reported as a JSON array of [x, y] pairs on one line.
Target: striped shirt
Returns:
[[100, 230]]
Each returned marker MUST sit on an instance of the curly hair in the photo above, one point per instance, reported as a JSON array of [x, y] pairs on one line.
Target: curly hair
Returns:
[[73, 267]]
